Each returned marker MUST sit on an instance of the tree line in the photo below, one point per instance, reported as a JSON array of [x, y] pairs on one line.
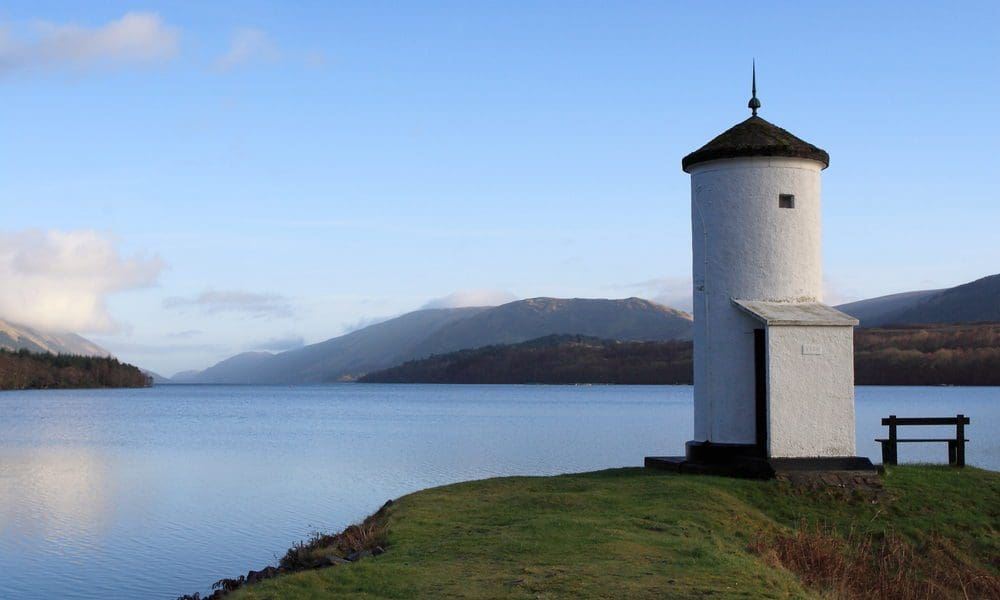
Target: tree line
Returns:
[[23, 370], [956, 354], [558, 359]]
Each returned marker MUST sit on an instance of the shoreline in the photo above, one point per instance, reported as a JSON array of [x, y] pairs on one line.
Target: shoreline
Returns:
[[356, 542], [636, 533]]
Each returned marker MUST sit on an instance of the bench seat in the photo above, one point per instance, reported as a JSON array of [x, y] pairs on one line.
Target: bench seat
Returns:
[[919, 440], [956, 445]]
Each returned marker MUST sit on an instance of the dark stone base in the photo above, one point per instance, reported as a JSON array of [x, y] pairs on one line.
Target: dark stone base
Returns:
[[747, 468], [745, 460], [708, 452], [825, 463]]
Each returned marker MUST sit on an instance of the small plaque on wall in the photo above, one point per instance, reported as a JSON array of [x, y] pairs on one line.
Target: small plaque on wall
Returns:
[[812, 349]]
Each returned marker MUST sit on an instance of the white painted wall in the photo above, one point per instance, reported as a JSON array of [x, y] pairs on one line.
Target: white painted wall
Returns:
[[745, 246], [810, 391]]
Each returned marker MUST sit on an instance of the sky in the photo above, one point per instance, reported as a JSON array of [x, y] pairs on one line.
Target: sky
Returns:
[[183, 181]]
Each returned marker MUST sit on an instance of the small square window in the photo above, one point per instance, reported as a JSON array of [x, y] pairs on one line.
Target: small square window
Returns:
[[786, 201]]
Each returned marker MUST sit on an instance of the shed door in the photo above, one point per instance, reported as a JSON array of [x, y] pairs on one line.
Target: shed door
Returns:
[[760, 389]]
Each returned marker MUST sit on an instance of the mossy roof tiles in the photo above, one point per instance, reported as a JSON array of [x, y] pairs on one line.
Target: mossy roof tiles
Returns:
[[755, 137]]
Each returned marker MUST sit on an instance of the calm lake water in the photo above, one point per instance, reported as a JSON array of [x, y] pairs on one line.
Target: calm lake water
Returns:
[[158, 492]]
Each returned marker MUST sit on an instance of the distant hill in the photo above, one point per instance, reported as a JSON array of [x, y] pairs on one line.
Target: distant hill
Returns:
[[555, 359], [971, 302], [874, 312], [183, 376], [156, 377], [17, 337], [975, 301], [373, 347], [631, 319], [962, 354], [235, 369], [423, 333]]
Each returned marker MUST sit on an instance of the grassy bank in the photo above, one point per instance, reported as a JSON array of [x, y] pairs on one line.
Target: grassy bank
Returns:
[[632, 533]]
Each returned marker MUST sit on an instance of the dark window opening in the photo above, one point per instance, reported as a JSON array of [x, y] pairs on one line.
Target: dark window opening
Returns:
[[786, 201]]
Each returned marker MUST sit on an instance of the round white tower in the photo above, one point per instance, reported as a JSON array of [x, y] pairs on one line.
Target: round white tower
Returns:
[[755, 216]]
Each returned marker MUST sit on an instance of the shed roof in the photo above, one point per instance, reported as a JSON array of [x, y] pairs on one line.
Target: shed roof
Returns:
[[755, 137], [796, 313]]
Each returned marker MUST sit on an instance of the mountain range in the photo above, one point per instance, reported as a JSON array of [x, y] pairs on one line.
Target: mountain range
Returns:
[[424, 333], [977, 300], [17, 337], [429, 332]]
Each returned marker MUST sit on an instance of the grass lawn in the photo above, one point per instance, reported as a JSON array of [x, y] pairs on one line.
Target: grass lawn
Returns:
[[635, 533]]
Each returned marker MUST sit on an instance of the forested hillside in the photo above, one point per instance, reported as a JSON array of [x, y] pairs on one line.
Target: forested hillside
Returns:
[[958, 354], [24, 370], [554, 359]]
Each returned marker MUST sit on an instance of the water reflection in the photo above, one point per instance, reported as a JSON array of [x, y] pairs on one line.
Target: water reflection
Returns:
[[56, 494]]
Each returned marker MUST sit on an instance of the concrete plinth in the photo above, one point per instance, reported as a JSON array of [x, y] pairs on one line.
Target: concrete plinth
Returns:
[[746, 461]]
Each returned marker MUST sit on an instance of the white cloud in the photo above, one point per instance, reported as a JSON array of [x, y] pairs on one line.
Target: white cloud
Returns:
[[247, 46], [835, 293], [235, 301], [675, 292], [186, 334], [364, 322], [134, 38], [464, 298], [60, 280], [289, 342]]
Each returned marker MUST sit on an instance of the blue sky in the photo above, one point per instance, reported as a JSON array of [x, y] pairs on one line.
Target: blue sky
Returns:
[[184, 181]]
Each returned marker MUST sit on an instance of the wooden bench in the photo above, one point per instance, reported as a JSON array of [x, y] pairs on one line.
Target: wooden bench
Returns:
[[956, 445]]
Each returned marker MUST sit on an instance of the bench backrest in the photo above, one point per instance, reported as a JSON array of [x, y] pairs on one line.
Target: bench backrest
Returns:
[[893, 419]]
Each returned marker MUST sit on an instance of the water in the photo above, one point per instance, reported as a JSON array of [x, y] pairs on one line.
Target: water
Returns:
[[158, 492]]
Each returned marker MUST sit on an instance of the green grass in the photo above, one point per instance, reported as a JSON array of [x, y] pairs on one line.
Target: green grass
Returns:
[[634, 533]]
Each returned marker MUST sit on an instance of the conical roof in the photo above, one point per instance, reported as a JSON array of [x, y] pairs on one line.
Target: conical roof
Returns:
[[755, 137]]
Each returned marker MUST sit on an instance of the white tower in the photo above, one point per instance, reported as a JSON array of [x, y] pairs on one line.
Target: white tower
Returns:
[[774, 370]]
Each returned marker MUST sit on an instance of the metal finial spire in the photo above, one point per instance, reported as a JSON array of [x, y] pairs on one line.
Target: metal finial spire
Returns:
[[754, 103]]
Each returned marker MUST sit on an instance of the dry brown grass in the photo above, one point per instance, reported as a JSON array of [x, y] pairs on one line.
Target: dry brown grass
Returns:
[[361, 537], [868, 566]]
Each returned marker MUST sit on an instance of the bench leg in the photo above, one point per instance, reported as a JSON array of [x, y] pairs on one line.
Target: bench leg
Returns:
[[888, 453], [960, 453], [952, 452]]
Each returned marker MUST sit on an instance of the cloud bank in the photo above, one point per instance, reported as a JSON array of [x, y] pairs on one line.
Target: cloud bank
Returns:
[[134, 38], [60, 280], [463, 298], [290, 342], [674, 292], [364, 322], [234, 301]]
